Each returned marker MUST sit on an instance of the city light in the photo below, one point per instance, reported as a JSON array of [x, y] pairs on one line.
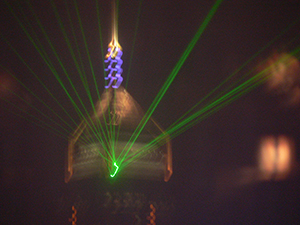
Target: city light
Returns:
[[276, 157]]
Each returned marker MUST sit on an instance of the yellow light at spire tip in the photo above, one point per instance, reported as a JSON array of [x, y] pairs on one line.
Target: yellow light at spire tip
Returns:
[[114, 47]]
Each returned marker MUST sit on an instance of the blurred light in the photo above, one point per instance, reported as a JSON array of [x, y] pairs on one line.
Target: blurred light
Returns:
[[283, 72], [7, 85], [276, 157], [152, 216], [12, 92], [73, 220]]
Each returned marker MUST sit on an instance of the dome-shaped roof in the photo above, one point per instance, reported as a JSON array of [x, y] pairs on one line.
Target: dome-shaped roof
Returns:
[[109, 140]]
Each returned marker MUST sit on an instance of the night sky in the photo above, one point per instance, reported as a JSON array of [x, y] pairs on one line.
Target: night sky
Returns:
[[208, 159]]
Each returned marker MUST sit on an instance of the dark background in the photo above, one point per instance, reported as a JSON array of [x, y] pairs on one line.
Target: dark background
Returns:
[[207, 159]]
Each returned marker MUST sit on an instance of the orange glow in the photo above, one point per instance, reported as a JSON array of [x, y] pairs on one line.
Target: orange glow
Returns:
[[276, 157], [267, 156], [283, 73], [114, 47], [284, 155], [152, 216], [284, 70], [73, 220]]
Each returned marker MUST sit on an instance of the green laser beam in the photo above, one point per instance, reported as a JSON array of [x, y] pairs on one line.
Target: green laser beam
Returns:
[[40, 100], [239, 69], [33, 107], [44, 56], [130, 61], [64, 69], [82, 74], [199, 116], [181, 125], [28, 67], [216, 105], [171, 77], [48, 61], [40, 122]]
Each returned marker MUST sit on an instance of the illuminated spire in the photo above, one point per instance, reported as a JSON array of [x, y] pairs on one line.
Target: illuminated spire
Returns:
[[114, 54]]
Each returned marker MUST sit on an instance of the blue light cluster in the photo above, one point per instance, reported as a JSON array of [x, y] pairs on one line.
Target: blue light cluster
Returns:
[[114, 65]]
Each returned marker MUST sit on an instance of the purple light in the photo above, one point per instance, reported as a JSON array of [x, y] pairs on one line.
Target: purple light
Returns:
[[114, 68]]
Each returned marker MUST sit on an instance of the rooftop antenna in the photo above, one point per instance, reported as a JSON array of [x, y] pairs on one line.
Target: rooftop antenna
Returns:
[[114, 54]]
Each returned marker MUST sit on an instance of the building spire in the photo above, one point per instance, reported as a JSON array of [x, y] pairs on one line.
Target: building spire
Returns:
[[114, 54]]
